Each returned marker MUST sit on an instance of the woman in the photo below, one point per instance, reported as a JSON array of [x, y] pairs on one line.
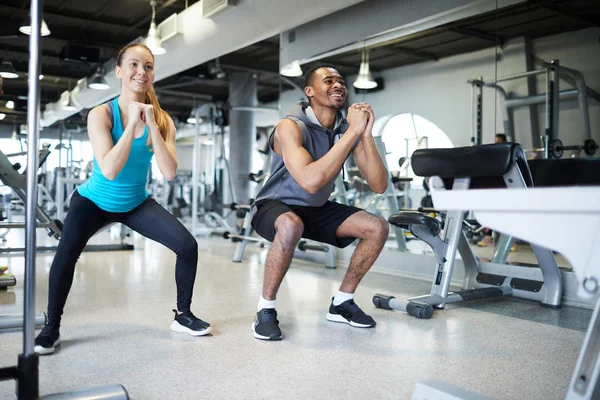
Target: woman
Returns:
[[125, 133]]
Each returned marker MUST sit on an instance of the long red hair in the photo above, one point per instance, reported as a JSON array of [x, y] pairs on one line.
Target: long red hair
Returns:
[[160, 116]]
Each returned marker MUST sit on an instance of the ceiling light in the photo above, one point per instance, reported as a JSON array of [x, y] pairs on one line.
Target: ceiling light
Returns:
[[153, 41], [192, 120], [10, 104], [41, 77], [70, 106], [365, 80], [98, 81], [217, 71], [8, 71], [2, 116], [291, 70], [26, 27]]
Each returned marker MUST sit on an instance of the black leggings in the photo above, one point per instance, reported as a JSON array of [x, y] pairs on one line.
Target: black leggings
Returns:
[[149, 219]]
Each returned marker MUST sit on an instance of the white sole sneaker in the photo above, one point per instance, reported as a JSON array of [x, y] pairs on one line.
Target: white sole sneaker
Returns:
[[43, 350], [339, 318], [261, 337], [176, 327]]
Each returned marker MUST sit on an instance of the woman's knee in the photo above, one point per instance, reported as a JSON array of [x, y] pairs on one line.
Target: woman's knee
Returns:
[[289, 227], [188, 247]]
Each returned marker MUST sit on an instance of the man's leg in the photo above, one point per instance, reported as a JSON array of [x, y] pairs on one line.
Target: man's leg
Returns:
[[277, 223], [372, 230], [288, 228]]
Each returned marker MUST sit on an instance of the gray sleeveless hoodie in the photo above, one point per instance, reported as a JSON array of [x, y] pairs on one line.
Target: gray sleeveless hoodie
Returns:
[[317, 140]]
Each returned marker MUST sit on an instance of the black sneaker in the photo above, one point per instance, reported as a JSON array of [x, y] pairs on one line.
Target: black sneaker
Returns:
[[47, 341], [188, 323], [348, 312], [266, 325]]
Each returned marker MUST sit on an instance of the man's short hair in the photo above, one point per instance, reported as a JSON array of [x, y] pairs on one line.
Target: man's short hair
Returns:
[[308, 77], [501, 137]]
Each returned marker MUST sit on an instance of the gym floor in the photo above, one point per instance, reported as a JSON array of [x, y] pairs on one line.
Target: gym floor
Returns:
[[116, 330]]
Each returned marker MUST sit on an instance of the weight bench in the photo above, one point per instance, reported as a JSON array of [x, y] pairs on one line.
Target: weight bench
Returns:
[[462, 169], [546, 216]]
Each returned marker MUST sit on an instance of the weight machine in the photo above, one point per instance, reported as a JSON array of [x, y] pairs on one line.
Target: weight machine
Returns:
[[553, 147], [553, 71]]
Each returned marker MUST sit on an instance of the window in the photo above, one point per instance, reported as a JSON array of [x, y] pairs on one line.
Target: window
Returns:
[[405, 133]]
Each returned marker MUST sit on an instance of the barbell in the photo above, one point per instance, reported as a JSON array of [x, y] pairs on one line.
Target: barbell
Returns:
[[557, 148]]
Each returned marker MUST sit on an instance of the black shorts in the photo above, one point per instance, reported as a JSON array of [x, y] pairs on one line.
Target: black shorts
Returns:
[[320, 223]]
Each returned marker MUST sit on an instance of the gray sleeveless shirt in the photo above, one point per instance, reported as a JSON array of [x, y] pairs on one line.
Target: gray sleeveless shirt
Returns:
[[317, 140]]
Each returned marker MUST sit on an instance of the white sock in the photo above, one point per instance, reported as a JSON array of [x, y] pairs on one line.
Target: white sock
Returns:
[[262, 303], [341, 297]]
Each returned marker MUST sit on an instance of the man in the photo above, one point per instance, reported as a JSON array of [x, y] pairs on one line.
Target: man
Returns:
[[309, 148]]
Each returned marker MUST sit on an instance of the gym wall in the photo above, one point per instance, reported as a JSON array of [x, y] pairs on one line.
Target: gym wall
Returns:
[[439, 90]]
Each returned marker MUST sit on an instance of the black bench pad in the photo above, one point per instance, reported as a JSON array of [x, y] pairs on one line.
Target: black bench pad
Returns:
[[405, 219], [462, 162], [565, 172]]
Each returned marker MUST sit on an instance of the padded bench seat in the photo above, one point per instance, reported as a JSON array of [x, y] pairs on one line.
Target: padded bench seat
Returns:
[[405, 219], [485, 165]]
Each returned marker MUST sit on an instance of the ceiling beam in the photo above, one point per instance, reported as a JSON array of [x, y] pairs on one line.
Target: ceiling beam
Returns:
[[179, 84], [478, 34], [77, 17], [570, 14], [25, 51], [105, 7], [190, 95], [423, 55]]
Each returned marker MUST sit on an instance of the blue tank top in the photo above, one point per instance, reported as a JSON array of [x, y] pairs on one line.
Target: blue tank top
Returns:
[[128, 189]]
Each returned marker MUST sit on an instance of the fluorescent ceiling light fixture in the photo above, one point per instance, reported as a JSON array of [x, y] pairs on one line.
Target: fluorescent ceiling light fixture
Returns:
[[192, 120], [8, 71], [98, 81], [2, 116], [70, 106], [292, 70], [153, 41], [365, 80], [26, 27], [10, 104]]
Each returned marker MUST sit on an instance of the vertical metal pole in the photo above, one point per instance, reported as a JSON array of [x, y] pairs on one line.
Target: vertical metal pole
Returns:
[[390, 194], [32, 161], [473, 113], [555, 98], [243, 89], [532, 91], [195, 172], [28, 372], [548, 125], [480, 111]]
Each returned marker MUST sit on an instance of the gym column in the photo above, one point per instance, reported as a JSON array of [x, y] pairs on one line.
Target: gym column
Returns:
[[242, 131]]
